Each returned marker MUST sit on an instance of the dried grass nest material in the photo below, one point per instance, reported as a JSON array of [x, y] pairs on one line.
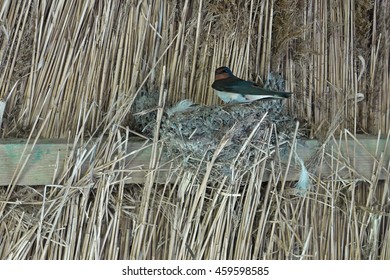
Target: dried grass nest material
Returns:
[[237, 132], [194, 133]]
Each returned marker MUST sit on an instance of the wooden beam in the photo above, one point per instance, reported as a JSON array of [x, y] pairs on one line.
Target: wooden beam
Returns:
[[43, 162], [348, 158]]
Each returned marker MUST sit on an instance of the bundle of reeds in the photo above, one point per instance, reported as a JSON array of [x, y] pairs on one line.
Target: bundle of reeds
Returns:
[[73, 69]]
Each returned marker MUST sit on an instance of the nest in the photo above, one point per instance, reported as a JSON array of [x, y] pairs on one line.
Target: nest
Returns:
[[225, 134]]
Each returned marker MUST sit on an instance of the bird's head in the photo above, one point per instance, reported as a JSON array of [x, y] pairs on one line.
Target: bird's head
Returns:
[[223, 73]]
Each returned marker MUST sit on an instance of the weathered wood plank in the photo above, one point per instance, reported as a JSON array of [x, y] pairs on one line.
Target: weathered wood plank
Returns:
[[43, 162], [347, 158], [40, 161], [343, 159]]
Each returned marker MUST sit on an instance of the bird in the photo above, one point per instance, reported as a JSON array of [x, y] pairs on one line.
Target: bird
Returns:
[[232, 89]]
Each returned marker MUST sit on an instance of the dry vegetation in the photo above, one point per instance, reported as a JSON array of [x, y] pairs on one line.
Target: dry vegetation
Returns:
[[72, 69]]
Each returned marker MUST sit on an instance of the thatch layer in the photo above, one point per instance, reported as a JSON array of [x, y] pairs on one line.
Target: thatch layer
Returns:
[[74, 69], [89, 59]]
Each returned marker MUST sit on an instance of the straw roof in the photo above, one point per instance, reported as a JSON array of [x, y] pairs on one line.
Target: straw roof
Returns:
[[74, 69]]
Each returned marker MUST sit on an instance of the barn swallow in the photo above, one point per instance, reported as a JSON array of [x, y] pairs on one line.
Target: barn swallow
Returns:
[[232, 89]]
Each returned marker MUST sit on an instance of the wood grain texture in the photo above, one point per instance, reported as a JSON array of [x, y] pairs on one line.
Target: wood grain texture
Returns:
[[365, 158]]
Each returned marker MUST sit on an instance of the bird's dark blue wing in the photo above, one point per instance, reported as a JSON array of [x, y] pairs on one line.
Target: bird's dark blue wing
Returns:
[[236, 85]]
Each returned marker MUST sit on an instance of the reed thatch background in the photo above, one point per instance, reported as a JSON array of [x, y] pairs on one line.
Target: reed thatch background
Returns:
[[72, 69]]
